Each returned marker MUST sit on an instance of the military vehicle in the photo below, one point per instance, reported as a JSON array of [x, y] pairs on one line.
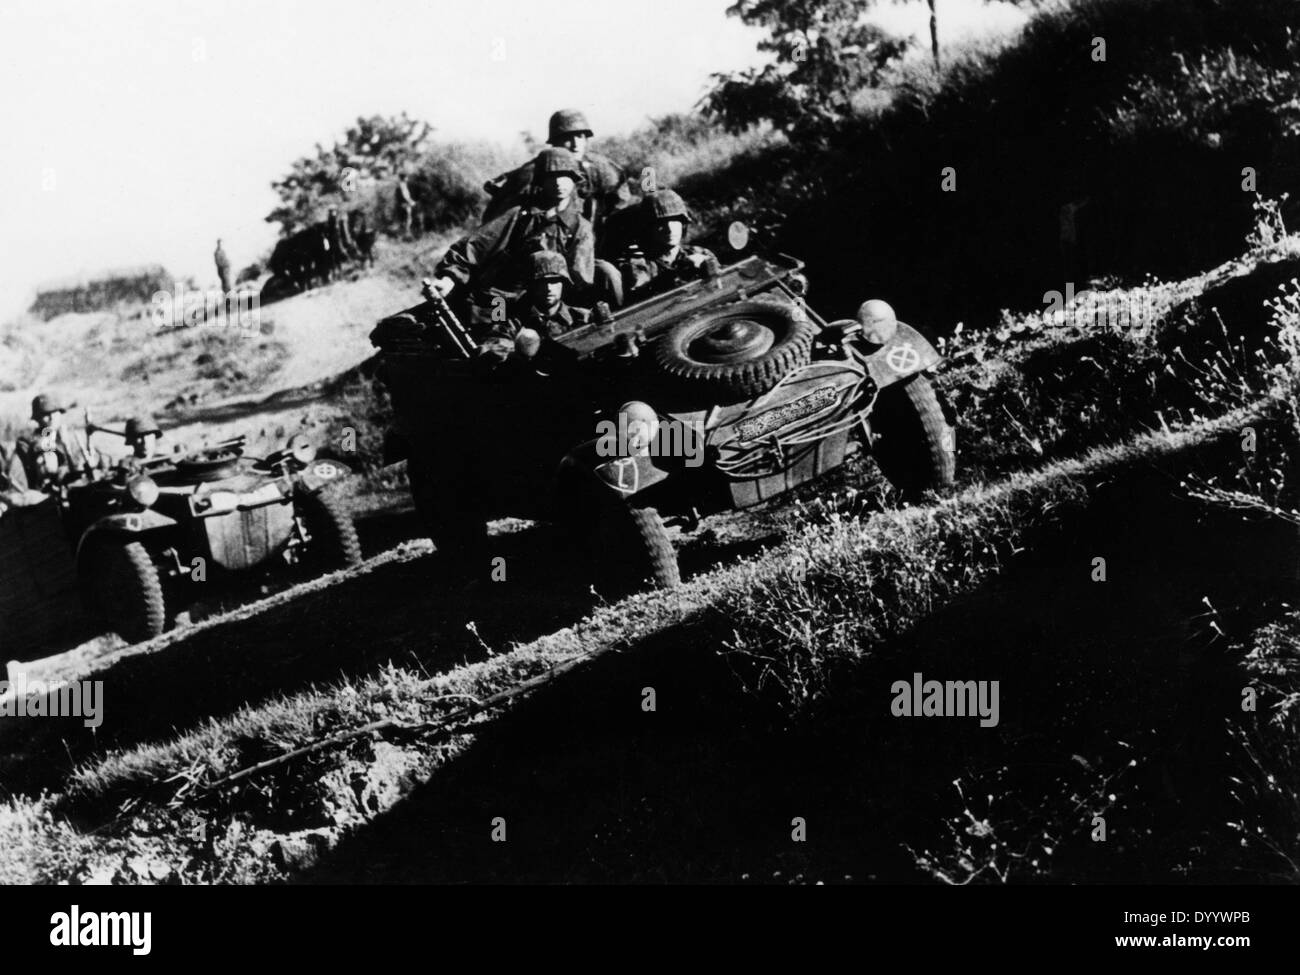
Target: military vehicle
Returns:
[[143, 539], [719, 394]]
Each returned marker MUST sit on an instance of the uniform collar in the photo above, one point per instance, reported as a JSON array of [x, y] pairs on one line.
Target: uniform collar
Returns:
[[568, 217], [561, 314]]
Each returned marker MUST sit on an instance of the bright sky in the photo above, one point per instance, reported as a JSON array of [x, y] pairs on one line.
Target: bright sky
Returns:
[[139, 131]]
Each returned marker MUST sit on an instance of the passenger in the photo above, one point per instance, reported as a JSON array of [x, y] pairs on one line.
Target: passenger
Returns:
[[662, 260], [488, 269], [602, 184]]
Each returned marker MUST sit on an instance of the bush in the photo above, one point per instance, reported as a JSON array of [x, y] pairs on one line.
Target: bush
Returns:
[[1037, 134], [101, 293]]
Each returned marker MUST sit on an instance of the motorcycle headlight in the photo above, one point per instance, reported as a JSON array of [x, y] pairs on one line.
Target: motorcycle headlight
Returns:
[[302, 449], [143, 490], [879, 322]]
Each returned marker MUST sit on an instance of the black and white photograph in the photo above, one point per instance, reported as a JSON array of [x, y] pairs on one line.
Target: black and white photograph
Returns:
[[709, 443]]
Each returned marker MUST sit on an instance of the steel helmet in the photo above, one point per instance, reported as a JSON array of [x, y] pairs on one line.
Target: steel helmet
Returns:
[[564, 121], [47, 403], [666, 205], [139, 427], [548, 265], [553, 160]]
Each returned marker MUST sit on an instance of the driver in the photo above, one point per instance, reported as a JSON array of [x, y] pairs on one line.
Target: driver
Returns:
[[541, 316], [661, 260]]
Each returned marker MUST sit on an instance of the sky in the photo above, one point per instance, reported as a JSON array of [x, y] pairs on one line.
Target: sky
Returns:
[[140, 131]]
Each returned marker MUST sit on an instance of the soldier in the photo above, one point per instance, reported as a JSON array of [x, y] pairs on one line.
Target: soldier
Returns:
[[662, 260], [223, 267], [14, 490], [405, 205], [141, 435], [541, 315], [56, 454], [489, 267], [363, 237], [340, 240], [602, 185]]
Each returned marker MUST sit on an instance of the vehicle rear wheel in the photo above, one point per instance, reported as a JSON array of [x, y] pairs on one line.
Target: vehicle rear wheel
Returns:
[[124, 590], [333, 544], [912, 441], [741, 352], [449, 520], [632, 550]]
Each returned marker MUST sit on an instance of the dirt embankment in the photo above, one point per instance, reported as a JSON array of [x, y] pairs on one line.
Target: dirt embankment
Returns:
[[771, 688]]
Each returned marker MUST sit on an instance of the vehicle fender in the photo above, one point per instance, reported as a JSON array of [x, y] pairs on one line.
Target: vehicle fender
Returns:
[[623, 477], [905, 354], [321, 472], [127, 523]]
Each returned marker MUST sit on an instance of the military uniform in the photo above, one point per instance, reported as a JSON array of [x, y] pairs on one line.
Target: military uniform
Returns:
[[15, 492], [71, 454], [71, 457], [490, 263], [340, 240], [644, 277], [548, 322]]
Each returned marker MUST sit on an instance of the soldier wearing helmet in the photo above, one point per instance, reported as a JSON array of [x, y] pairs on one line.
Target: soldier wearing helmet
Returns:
[[602, 184], [141, 436], [541, 314], [661, 259], [55, 454], [489, 268]]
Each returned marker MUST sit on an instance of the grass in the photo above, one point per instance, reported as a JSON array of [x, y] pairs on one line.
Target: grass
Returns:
[[790, 637]]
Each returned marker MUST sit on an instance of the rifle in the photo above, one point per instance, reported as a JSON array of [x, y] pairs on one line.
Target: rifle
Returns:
[[453, 333]]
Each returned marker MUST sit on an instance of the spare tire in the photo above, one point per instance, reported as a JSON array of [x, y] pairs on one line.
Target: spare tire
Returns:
[[209, 465], [741, 351]]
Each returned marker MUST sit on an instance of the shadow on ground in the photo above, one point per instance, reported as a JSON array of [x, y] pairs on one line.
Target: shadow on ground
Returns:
[[1093, 676]]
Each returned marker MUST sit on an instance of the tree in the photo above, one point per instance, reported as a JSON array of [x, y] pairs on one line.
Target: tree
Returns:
[[934, 33], [825, 54], [374, 148]]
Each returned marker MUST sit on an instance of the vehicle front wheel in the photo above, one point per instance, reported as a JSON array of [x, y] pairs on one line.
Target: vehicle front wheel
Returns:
[[333, 542], [632, 550], [124, 591], [911, 439]]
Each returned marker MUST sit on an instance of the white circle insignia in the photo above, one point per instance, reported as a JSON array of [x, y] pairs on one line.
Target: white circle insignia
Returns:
[[903, 358]]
